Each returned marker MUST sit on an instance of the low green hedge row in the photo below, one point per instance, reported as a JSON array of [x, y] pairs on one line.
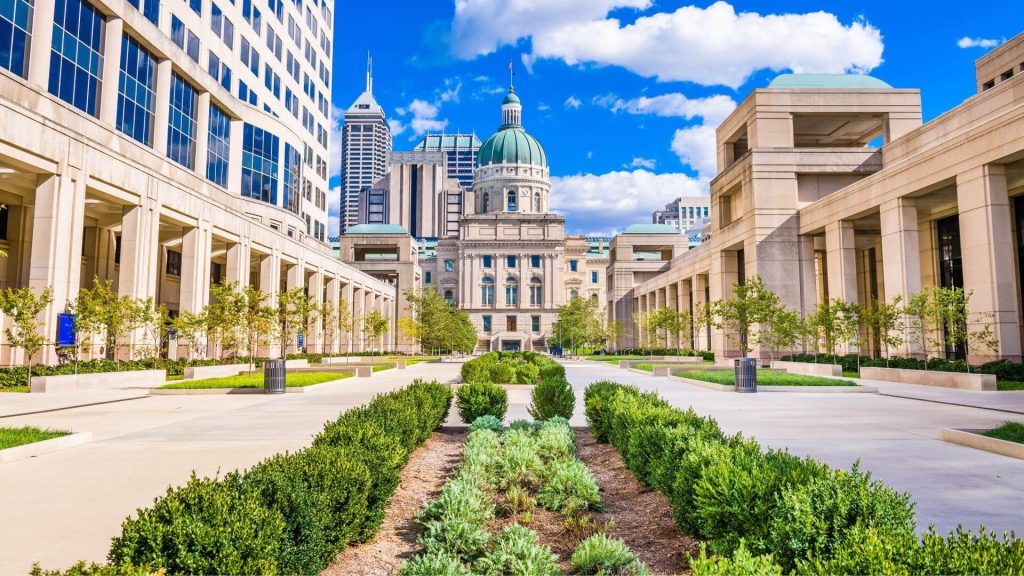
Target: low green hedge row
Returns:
[[756, 508], [15, 376], [291, 513], [707, 355], [511, 368], [1005, 370]]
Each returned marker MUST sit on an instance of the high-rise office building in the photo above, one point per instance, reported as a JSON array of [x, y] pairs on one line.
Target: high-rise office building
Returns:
[[459, 151], [684, 213], [365, 150]]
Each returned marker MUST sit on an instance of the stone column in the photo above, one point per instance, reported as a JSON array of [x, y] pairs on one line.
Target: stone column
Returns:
[[700, 283], [41, 43], [808, 276], [684, 306], [358, 303], [841, 258], [140, 245], [56, 253], [270, 282], [987, 250], [348, 303], [162, 106], [238, 262], [314, 340], [901, 259], [236, 134], [203, 131], [195, 268], [724, 273], [331, 330], [112, 36]]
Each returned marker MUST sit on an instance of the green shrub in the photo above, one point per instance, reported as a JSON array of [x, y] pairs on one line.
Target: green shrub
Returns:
[[204, 527], [552, 397], [478, 370], [504, 372], [601, 554], [962, 552], [555, 440], [524, 425], [569, 488], [527, 373], [518, 463], [741, 563], [83, 569], [516, 551], [487, 422], [434, 564], [478, 399], [596, 398], [455, 522]]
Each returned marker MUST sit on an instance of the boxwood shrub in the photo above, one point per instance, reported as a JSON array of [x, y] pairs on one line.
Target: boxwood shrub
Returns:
[[552, 397], [478, 399]]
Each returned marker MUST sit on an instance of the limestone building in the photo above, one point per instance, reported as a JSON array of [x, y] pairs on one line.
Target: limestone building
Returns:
[[684, 213], [830, 186], [168, 145]]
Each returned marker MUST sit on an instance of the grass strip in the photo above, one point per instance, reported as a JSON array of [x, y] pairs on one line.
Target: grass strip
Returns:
[[764, 378], [293, 380], [11, 437], [1010, 431]]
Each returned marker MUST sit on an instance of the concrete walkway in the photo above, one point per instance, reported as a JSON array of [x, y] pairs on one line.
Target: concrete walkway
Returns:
[[67, 505], [894, 438]]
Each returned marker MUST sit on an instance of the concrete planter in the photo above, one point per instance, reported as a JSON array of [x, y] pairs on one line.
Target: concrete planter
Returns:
[[959, 380], [296, 363], [99, 381], [665, 360], [201, 372], [45, 447], [974, 439], [803, 389], [809, 368], [226, 391]]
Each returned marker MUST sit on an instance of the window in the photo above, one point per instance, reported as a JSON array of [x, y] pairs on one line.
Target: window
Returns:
[[15, 35], [951, 270], [292, 176], [536, 292], [510, 323], [535, 261], [574, 294], [488, 262], [136, 95], [511, 200], [252, 15], [218, 147], [173, 263], [219, 71], [149, 8], [487, 324], [487, 291], [574, 265], [449, 297], [221, 26], [250, 57], [426, 277], [511, 261], [272, 81], [196, 6], [216, 273], [536, 201], [259, 164], [511, 291], [76, 60], [449, 265], [593, 277], [181, 132], [535, 324]]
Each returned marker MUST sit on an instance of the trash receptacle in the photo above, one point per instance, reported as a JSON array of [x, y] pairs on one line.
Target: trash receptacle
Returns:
[[746, 375], [273, 376]]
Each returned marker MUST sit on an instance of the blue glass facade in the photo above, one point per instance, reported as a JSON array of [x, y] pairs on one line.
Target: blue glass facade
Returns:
[[181, 129], [259, 164], [149, 8], [135, 93], [292, 173], [219, 147], [15, 33], [76, 59]]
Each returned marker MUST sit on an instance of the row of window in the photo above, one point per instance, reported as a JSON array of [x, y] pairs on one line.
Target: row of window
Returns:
[[511, 324], [513, 262], [536, 289]]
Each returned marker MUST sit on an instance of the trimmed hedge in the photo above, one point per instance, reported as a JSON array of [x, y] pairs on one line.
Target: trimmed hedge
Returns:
[[707, 355], [291, 513], [552, 397], [511, 368], [481, 398], [767, 511], [15, 376], [1002, 369]]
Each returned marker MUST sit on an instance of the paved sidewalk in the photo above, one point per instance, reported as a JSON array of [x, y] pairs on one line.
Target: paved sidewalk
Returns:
[[1008, 401], [894, 438], [67, 505]]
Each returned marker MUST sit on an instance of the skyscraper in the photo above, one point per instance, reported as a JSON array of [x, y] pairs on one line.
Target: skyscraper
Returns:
[[459, 152], [365, 148]]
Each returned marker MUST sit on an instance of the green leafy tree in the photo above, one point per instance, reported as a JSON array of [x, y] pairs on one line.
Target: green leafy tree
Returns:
[[580, 323], [885, 320], [190, 329], [704, 319], [375, 324], [848, 325], [751, 304], [101, 313], [243, 317], [825, 321], [434, 323], [23, 306], [780, 330], [292, 316], [923, 322], [328, 318]]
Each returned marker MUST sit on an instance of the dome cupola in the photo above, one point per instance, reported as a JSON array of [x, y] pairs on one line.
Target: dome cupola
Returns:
[[511, 144]]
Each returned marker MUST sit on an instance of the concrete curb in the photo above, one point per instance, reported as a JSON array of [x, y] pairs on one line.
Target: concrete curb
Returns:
[[858, 389], [224, 391], [973, 439], [45, 447]]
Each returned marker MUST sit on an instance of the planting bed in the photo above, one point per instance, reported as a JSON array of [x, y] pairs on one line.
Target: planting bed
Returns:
[[764, 378], [11, 437], [293, 380]]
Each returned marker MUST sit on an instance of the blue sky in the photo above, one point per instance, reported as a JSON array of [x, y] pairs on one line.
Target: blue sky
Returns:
[[624, 95]]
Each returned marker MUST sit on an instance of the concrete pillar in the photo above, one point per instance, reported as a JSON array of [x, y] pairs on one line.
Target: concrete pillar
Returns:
[[808, 276], [137, 277], [724, 273], [195, 268], [41, 43], [111, 70], [901, 263], [315, 340], [700, 283], [162, 106], [685, 306], [238, 262], [841, 258], [368, 344], [90, 249], [332, 337], [348, 303], [270, 284], [56, 253], [202, 132], [358, 307], [237, 133], [987, 251]]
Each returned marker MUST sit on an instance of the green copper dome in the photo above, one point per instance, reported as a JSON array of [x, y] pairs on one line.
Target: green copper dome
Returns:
[[510, 98], [511, 145]]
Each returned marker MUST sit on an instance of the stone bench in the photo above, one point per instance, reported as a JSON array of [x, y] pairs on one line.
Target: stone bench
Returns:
[[958, 380]]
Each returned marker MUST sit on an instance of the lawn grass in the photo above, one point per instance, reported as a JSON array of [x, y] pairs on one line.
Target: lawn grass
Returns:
[[11, 437], [14, 389], [614, 359], [1010, 431], [851, 374], [379, 367], [173, 377], [1007, 385], [764, 378], [295, 380]]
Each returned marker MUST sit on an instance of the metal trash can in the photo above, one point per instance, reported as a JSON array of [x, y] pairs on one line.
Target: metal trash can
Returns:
[[746, 374], [273, 376]]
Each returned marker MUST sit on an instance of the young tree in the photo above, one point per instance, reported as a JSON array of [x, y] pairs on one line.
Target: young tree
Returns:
[[923, 322], [328, 316], [885, 320], [848, 325], [375, 324], [292, 315], [645, 324], [580, 323], [704, 315], [190, 329], [780, 329], [825, 320], [100, 311], [23, 307], [750, 305]]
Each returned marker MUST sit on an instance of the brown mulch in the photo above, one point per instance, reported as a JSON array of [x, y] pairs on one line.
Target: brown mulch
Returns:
[[428, 468]]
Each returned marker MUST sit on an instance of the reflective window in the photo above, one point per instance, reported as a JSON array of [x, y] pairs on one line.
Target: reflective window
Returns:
[[259, 164], [487, 291], [535, 324], [292, 175], [536, 201], [511, 291], [536, 292], [573, 265], [487, 323], [511, 261], [534, 261], [185, 39], [511, 195], [593, 277], [15, 34], [487, 262], [181, 121], [449, 265], [221, 26], [218, 147], [135, 93], [76, 59], [196, 6], [149, 8]]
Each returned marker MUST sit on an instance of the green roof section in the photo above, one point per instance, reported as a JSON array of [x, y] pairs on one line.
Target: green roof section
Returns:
[[828, 81], [511, 145], [651, 229], [447, 141], [376, 229]]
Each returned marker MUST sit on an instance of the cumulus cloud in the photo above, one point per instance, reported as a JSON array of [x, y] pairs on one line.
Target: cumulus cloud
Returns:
[[424, 117], [572, 102], [712, 109], [337, 122], [695, 146], [968, 42], [641, 162], [608, 201], [720, 45], [334, 211], [396, 126]]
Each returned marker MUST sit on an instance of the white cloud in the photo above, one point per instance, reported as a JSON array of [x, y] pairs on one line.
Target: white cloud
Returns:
[[695, 145], [452, 86], [424, 117], [712, 109], [396, 126], [640, 162], [720, 45], [543, 107], [334, 211], [968, 42], [608, 201], [572, 102]]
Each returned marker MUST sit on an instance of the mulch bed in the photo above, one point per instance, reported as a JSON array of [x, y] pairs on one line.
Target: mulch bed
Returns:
[[428, 468]]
